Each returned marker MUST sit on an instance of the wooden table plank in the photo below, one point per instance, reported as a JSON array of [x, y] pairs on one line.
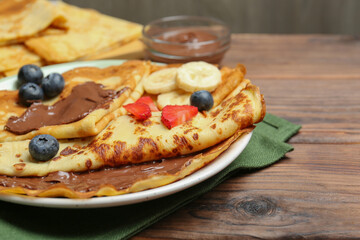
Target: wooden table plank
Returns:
[[329, 111], [293, 56], [314, 192], [282, 201]]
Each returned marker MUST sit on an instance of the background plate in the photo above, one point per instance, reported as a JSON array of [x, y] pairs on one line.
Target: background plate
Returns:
[[208, 171]]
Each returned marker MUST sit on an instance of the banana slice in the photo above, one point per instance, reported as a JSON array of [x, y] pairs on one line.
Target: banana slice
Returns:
[[195, 76], [161, 81], [178, 97]]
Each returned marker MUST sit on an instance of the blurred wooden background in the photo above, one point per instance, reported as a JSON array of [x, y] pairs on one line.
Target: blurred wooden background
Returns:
[[244, 16]]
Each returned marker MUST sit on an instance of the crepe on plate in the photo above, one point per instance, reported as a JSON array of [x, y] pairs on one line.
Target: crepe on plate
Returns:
[[22, 19], [89, 32], [126, 141], [116, 181], [126, 76]]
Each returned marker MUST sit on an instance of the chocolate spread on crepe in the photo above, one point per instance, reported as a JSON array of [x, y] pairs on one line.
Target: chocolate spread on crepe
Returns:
[[125, 77], [83, 99], [121, 178]]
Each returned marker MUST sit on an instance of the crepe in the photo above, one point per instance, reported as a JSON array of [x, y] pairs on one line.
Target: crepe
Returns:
[[89, 32], [132, 50], [116, 181], [123, 78], [129, 155], [15, 56], [22, 19], [126, 141], [230, 78]]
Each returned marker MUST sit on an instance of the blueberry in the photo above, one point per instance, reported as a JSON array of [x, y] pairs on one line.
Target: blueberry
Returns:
[[53, 84], [202, 99], [29, 93], [43, 147], [30, 73]]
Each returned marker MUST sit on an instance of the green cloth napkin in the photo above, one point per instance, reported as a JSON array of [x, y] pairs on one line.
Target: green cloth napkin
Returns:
[[266, 146]]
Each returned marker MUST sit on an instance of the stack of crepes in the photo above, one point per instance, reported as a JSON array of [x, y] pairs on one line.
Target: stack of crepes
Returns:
[[42, 33], [108, 151]]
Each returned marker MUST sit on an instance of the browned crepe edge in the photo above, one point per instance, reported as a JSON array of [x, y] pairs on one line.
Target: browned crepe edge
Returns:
[[192, 165]]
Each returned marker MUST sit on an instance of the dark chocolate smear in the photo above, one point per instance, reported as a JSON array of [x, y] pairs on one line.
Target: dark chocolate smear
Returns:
[[121, 177], [84, 99]]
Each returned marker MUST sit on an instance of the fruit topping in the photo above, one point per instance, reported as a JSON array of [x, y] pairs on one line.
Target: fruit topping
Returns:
[[53, 84], [148, 101], [161, 81], [195, 76], [173, 115], [30, 73], [43, 147], [141, 111], [29, 93], [202, 99]]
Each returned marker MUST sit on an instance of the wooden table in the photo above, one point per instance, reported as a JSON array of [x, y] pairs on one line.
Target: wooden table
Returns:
[[314, 192]]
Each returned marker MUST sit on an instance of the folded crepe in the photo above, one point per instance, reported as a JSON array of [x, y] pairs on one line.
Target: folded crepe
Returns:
[[13, 57], [116, 181], [122, 79], [89, 32], [22, 19], [126, 141], [129, 155], [132, 50]]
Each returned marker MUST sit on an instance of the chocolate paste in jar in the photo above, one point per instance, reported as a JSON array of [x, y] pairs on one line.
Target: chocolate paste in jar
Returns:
[[190, 44]]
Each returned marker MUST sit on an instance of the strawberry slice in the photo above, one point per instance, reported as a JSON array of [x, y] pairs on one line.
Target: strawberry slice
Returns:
[[173, 115], [148, 101], [141, 111]]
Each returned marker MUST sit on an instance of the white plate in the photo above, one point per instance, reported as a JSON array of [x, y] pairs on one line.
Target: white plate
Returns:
[[225, 159], [10, 82]]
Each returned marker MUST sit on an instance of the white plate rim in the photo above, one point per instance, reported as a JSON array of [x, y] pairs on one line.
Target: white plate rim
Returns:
[[216, 166]]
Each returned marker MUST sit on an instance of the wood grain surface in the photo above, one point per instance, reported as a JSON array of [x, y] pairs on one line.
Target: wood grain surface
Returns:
[[244, 16], [314, 192]]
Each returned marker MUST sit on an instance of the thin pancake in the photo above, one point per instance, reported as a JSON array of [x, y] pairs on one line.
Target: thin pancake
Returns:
[[15, 56], [132, 50], [117, 78], [126, 141], [230, 78], [115, 181], [25, 18], [88, 33], [120, 159]]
